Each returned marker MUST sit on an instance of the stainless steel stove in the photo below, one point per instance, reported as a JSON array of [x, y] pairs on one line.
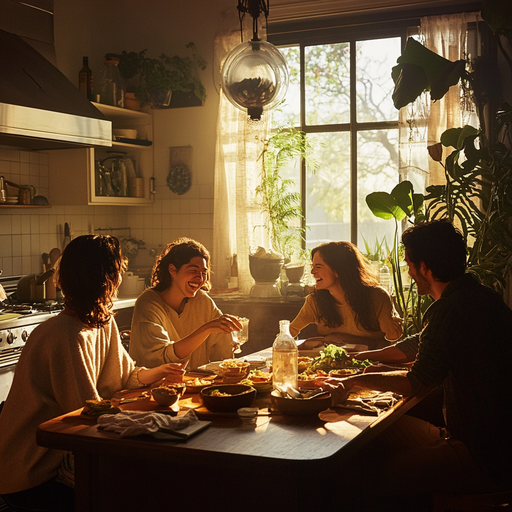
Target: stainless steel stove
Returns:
[[17, 321]]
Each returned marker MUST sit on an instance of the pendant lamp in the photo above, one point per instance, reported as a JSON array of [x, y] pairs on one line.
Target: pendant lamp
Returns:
[[254, 75]]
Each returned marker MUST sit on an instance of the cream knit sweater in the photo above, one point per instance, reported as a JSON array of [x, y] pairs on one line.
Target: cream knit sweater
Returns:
[[62, 364], [156, 326]]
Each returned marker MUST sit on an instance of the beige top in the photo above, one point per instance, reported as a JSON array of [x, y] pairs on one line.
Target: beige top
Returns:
[[309, 314], [62, 364], [156, 327]]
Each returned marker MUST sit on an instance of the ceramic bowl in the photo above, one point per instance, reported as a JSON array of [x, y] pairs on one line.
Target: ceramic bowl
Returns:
[[195, 385], [165, 395], [238, 395], [298, 407], [232, 374]]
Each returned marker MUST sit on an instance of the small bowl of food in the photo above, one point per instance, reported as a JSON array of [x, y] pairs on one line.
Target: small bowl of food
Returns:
[[233, 371], [227, 397], [195, 385], [304, 363], [300, 406], [167, 394], [306, 380], [260, 380]]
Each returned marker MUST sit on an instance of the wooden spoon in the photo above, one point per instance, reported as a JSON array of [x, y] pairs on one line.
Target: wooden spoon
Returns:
[[54, 255]]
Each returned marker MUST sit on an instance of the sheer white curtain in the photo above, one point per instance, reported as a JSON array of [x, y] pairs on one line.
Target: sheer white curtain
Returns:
[[447, 36], [423, 122], [237, 221]]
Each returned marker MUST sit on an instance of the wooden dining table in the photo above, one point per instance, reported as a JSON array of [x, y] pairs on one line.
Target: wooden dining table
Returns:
[[280, 463]]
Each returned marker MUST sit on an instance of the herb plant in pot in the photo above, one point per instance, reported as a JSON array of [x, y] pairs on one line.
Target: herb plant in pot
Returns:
[[279, 202]]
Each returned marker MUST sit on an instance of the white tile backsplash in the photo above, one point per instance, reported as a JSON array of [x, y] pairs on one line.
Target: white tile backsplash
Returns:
[[25, 233]]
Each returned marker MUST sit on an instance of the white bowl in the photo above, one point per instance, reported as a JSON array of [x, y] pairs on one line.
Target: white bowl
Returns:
[[125, 133]]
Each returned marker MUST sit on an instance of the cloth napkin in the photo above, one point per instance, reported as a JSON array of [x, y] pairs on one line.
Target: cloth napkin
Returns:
[[372, 405], [134, 423]]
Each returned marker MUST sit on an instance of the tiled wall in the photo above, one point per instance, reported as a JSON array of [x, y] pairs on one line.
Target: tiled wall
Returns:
[[25, 233]]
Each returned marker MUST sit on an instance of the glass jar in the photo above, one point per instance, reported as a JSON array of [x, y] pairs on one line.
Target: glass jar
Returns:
[[112, 85]]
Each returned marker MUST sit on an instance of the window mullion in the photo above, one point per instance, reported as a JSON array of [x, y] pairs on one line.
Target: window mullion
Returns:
[[353, 144], [303, 184]]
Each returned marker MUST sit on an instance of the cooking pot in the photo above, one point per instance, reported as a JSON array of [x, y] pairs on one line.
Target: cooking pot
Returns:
[[31, 287]]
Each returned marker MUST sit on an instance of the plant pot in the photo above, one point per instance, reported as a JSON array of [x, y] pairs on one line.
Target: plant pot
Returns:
[[160, 97], [264, 270], [131, 102], [294, 273]]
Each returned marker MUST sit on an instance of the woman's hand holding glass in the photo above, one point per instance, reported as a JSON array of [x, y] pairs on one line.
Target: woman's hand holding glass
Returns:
[[240, 336]]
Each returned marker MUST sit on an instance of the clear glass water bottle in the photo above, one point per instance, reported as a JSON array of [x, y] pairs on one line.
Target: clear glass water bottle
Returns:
[[284, 358], [112, 86], [385, 278]]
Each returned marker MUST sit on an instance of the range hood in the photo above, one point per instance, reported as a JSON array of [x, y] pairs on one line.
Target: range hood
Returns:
[[39, 107]]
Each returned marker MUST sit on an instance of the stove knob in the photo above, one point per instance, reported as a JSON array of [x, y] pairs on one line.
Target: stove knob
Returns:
[[24, 336], [11, 337]]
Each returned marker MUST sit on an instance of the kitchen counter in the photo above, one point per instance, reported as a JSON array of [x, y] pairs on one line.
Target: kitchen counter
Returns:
[[264, 315]]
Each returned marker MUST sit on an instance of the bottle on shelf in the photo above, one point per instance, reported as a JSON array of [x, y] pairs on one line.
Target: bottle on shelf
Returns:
[[112, 86], [284, 358], [3, 193], [85, 81]]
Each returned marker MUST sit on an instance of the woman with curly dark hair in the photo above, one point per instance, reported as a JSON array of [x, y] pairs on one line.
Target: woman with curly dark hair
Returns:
[[176, 320], [347, 305], [75, 356]]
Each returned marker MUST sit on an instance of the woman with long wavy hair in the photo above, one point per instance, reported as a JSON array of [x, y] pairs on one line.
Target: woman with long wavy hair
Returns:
[[74, 356], [347, 305], [176, 320]]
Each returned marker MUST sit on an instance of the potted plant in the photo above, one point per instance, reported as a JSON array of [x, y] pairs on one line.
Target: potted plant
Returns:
[[153, 80], [478, 182], [281, 207], [279, 202]]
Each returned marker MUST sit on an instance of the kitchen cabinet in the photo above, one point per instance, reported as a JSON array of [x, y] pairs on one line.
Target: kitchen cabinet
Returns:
[[72, 172]]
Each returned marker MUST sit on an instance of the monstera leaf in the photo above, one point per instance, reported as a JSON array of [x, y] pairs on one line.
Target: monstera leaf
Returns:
[[420, 69], [399, 204]]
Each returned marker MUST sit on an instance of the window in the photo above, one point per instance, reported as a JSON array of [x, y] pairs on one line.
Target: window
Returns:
[[340, 96]]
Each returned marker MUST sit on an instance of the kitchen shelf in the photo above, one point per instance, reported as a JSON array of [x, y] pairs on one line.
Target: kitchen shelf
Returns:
[[72, 172], [25, 205]]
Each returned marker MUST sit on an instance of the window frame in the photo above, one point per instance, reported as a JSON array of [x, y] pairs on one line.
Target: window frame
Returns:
[[349, 35]]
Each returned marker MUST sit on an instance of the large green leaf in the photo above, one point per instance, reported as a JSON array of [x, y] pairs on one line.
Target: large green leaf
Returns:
[[455, 137], [384, 206], [419, 69], [403, 196]]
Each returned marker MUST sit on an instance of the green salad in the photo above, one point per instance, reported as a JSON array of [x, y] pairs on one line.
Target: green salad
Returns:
[[333, 357]]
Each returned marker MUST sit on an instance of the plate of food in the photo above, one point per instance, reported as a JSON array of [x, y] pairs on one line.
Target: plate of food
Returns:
[[333, 357]]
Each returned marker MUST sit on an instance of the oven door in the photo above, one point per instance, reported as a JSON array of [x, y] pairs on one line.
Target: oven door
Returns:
[[6, 377]]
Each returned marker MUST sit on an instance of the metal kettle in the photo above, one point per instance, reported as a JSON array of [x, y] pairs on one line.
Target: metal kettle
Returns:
[[31, 288]]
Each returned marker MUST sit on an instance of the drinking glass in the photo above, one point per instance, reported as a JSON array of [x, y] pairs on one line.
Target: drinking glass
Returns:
[[240, 337]]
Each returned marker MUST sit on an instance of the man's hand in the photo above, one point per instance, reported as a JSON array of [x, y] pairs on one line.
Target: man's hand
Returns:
[[334, 386]]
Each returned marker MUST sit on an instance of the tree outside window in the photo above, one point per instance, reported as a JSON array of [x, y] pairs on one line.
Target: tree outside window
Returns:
[[341, 98]]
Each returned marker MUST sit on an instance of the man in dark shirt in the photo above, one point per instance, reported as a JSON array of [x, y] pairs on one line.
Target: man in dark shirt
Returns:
[[465, 347]]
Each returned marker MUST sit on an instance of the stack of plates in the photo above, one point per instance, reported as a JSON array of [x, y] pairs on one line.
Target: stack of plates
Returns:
[[11, 200]]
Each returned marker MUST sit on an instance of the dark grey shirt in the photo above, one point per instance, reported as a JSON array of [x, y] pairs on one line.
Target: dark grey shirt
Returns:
[[466, 346]]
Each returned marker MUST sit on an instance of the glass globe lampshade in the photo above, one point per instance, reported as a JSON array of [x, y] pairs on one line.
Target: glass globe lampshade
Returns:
[[255, 77]]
